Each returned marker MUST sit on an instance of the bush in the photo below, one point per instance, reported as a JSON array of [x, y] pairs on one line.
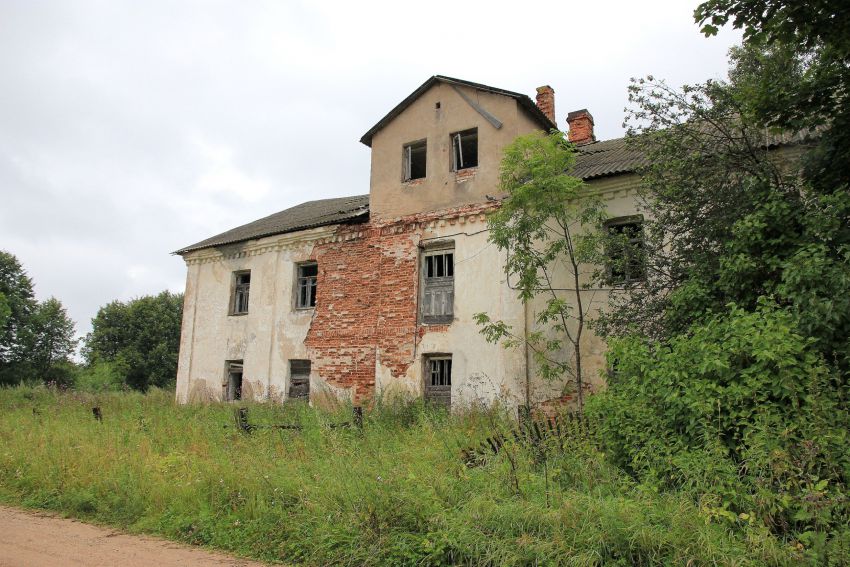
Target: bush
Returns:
[[99, 377], [745, 414]]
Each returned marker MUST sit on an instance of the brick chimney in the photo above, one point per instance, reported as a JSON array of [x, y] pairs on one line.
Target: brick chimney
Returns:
[[581, 127], [546, 102]]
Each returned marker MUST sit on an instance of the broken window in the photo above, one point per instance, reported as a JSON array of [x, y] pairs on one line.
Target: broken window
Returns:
[[438, 379], [624, 250], [233, 384], [438, 285], [465, 149], [241, 289], [306, 292], [414, 160], [299, 379]]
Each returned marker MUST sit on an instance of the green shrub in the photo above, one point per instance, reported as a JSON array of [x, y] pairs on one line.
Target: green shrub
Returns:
[[743, 413], [99, 377]]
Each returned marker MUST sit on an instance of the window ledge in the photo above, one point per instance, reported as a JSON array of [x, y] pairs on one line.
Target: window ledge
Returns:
[[413, 182], [463, 175], [237, 314], [304, 308]]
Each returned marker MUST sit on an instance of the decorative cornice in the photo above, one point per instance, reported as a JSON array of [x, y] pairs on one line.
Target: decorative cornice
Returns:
[[263, 245]]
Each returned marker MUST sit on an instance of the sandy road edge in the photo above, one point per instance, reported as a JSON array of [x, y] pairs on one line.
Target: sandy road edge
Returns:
[[45, 539]]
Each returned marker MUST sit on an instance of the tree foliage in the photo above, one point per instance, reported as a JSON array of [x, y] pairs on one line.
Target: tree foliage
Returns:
[[546, 226], [733, 357], [36, 339], [139, 339]]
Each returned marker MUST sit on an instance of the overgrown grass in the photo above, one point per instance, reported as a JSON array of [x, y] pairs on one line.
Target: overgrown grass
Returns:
[[394, 493]]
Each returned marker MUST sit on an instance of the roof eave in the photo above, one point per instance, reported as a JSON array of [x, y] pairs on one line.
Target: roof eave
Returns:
[[523, 100]]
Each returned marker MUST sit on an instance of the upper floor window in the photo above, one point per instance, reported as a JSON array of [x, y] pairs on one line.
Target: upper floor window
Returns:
[[465, 149], [438, 286], [306, 292], [241, 289], [414, 160], [624, 250]]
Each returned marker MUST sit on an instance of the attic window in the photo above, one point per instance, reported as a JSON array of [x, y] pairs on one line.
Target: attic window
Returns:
[[414, 160], [465, 149]]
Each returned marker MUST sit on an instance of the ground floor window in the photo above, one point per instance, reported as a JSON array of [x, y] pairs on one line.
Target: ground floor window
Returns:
[[438, 379], [299, 379], [233, 381]]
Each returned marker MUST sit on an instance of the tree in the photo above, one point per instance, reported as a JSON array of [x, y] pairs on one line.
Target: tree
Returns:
[[140, 338], [20, 303], [52, 342], [732, 358], [36, 339], [731, 219], [547, 227]]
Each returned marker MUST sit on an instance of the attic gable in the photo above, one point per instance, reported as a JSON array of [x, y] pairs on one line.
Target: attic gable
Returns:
[[522, 100]]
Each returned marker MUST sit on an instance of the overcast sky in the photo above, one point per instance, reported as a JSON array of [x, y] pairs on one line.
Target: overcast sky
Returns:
[[131, 129]]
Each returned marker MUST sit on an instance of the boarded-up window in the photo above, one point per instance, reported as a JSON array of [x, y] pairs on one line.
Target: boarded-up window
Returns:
[[307, 277], [413, 160], [233, 380], [438, 379], [624, 250], [241, 289], [465, 149], [299, 379], [438, 286]]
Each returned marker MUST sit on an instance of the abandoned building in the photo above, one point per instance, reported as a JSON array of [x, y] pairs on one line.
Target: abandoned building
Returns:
[[374, 295]]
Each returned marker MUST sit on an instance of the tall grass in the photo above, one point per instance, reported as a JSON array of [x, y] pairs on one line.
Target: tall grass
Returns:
[[394, 493]]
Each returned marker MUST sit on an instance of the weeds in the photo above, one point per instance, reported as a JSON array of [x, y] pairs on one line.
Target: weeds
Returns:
[[396, 492]]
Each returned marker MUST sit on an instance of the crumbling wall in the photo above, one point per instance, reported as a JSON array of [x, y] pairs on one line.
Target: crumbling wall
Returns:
[[366, 304]]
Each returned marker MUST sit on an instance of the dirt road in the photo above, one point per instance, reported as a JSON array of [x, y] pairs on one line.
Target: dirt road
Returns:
[[30, 539]]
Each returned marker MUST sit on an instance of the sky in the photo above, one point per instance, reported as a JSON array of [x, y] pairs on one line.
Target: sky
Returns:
[[130, 129]]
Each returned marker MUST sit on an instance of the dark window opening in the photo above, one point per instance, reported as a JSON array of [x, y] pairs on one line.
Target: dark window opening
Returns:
[[624, 251], [307, 276], [299, 379], [438, 380], [438, 286], [414, 160], [465, 149], [241, 289], [233, 387]]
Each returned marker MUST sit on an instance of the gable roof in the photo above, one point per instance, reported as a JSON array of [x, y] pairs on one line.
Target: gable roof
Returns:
[[523, 100], [311, 214]]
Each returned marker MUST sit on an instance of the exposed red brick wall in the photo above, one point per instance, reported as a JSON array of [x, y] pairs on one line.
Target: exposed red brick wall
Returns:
[[366, 300]]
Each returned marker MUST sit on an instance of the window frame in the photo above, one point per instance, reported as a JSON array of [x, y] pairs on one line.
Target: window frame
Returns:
[[230, 368], [407, 160], [437, 393], [635, 242], [239, 291], [298, 285], [299, 375], [436, 283], [456, 139]]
